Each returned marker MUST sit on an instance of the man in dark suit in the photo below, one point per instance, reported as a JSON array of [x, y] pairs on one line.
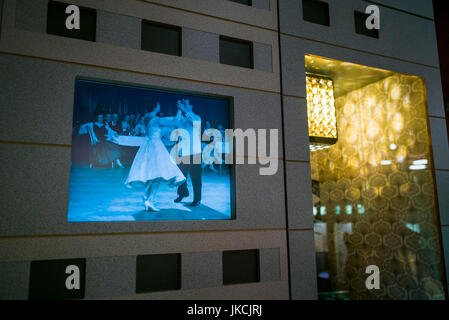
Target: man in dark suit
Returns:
[[191, 154]]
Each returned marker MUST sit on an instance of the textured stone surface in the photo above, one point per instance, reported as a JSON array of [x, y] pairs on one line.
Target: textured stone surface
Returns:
[[14, 278], [302, 265], [262, 57], [201, 270], [261, 4], [118, 29], [394, 40], [445, 236], [442, 186], [296, 129], [299, 195], [200, 45], [31, 15], [110, 277], [270, 268], [439, 143]]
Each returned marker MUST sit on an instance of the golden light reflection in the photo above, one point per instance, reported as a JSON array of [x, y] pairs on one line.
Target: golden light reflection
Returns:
[[321, 109], [380, 166]]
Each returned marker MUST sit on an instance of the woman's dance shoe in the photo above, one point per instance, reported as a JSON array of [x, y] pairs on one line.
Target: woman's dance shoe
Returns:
[[150, 207]]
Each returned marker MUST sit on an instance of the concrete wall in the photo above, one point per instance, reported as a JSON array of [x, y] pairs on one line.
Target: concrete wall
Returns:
[[397, 50], [395, 40], [422, 8], [36, 125], [45, 120], [1, 14]]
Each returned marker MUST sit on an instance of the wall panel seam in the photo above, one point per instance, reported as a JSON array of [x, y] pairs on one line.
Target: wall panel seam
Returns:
[[437, 117], [138, 72], [399, 10], [358, 50], [206, 15], [135, 233], [43, 144]]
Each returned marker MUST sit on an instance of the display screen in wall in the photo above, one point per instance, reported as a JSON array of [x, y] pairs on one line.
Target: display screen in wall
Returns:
[[148, 154]]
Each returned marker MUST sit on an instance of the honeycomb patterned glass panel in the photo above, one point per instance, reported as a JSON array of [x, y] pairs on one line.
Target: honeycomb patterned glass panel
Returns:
[[373, 195]]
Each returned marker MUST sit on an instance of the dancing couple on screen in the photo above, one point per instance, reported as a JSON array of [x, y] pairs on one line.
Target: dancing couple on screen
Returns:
[[153, 164]]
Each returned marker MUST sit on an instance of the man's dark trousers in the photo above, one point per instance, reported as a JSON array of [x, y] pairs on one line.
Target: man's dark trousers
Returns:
[[188, 166]]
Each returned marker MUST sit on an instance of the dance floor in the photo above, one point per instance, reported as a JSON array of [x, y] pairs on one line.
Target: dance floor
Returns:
[[99, 194]]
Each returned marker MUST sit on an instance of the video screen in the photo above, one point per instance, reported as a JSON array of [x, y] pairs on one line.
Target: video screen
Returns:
[[142, 154]]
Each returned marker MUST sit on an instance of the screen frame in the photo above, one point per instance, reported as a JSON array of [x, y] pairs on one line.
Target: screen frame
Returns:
[[232, 173]]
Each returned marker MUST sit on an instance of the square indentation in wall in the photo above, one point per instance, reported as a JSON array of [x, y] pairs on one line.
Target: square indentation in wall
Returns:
[[360, 25], [236, 52], [57, 279], [161, 38], [241, 266], [316, 11], [158, 272], [56, 22], [245, 2]]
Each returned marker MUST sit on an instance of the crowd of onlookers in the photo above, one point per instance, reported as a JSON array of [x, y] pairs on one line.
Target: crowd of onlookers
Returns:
[[128, 124], [132, 125]]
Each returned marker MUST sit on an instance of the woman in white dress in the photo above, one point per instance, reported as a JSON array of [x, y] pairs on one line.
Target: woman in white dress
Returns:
[[153, 164]]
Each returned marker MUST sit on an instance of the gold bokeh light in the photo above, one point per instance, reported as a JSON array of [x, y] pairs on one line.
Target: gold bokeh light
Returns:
[[321, 110]]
